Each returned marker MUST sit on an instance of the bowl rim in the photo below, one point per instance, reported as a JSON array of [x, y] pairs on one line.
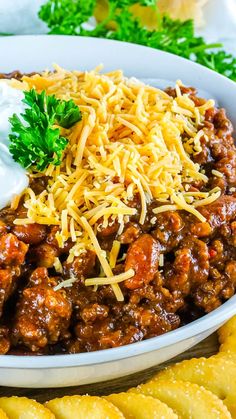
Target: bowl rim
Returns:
[[36, 37], [209, 321]]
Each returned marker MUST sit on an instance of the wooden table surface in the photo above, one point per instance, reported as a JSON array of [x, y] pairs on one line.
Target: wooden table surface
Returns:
[[205, 348]]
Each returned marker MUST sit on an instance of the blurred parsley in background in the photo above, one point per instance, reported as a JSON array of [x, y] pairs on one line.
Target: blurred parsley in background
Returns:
[[71, 17]]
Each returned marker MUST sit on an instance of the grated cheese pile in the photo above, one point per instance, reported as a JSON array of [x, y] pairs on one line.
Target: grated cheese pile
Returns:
[[133, 139]]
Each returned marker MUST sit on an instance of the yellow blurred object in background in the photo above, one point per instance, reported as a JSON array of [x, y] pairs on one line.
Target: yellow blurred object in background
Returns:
[[176, 9]]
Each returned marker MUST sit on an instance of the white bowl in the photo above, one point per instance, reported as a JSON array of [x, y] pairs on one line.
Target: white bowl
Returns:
[[35, 53]]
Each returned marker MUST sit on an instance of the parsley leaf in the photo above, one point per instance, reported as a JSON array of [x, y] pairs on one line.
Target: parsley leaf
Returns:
[[67, 113], [68, 17], [35, 141], [220, 61]]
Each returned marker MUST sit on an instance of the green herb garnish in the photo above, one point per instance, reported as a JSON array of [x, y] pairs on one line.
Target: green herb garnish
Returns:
[[66, 16], [69, 16], [35, 141]]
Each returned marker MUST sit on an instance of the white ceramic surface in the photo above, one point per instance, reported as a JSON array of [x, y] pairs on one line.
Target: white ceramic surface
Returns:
[[219, 20], [34, 53]]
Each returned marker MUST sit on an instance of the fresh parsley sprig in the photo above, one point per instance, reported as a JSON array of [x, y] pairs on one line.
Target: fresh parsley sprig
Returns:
[[66, 16], [35, 141], [69, 17]]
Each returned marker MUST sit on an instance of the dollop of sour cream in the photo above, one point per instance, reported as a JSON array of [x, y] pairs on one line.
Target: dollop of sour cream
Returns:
[[13, 178]]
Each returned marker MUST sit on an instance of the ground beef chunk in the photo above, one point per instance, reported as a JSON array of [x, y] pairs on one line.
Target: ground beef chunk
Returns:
[[42, 314], [230, 270], [8, 283], [232, 235], [190, 267], [218, 253], [110, 230], [43, 255], [210, 294], [200, 229], [131, 232], [82, 266], [223, 126], [143, 258], [4, 340], [220, 148], [220, 212], [12, 250], [169, 229], [12, 257], [3, 228], [94, 312]]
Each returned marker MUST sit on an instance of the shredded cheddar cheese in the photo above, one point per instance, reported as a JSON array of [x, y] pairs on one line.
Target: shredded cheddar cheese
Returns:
[[217, 173], [113, 280], [134, 140], [114, 253], [65, 284]]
